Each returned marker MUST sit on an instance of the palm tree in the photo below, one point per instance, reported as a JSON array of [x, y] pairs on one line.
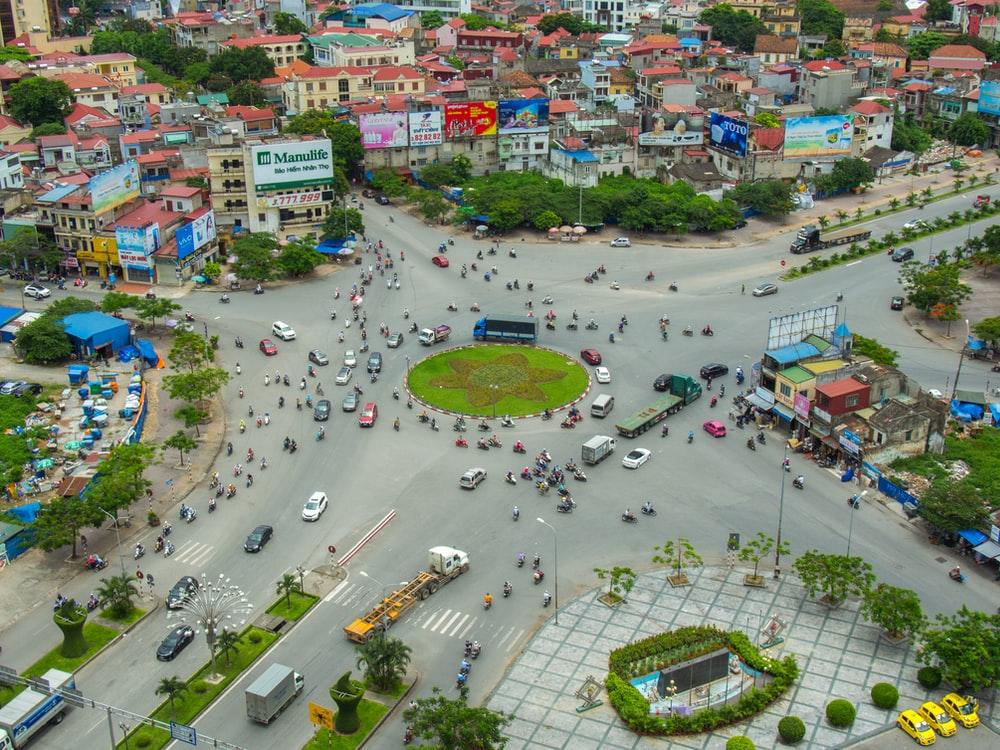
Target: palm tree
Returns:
[[384, 660], [288, 585], [911, 199], [927, 192], [907, 232], [824, 221], [973, 179], [954, 217], [116, 594], [957, 183], [172, 688], [842, 214], [859, 212], [894, 203], [226, 643], [890, 238]]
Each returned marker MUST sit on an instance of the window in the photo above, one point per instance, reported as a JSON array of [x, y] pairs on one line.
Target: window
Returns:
[[852, 400], [262, 218], [786, 390], [908, 435]]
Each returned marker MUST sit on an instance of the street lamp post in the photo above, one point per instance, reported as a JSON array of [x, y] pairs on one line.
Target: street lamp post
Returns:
[[213, 605], [855, 504], [781, 514], [555, 563], [961, 356], [493, 390], [121, 557]]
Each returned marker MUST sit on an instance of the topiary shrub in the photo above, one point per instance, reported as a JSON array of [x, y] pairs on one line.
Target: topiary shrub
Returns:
[[929, 677], [840, 713], [142, 740], [347, 694], [254, 637], [885, 695], [70, 619], [791, 729], [199, 686], [740, 742]]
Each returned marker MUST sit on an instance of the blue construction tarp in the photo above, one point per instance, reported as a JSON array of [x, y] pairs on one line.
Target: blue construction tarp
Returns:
[[786, 355], [335, 247], [973, 536], [7, 314], [93, 330], [963, 411], [148, 352]]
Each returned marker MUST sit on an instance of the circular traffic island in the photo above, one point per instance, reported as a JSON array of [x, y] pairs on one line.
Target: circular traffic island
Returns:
[[497, 379]]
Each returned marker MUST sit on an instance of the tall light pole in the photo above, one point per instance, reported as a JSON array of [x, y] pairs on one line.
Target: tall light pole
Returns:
[[555, 563], [493, 390], [855, 504], [121, 557], [961, 356], [214, 605], [781, 514]]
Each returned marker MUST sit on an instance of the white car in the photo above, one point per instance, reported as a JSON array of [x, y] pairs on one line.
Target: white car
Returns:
[[344, 376], [37, 291], [621, 242], [350, 359], [314, 506], [602, 374], [916, 225], [636, 458], [282, 330]]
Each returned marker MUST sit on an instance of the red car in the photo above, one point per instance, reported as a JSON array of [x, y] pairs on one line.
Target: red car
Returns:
[[590, 356], [440, 261], [368, 415], [715, 428], [267, 346]]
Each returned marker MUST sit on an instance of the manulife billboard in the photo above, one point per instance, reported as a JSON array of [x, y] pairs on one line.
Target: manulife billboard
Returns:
[[280, 166]]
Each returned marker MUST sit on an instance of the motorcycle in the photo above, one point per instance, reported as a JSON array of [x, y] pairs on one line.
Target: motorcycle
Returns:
[[168, 549], [481, 444], [799, 482], [507, 590], [591, 326], [138, 552], [713, 402], [564, 507], [579, 476], [650, 511], [956, 575], [673, 287], [461, 443], [494, 443], [510, 479], [520, 559], [211, 505], [519, 448], [224, 299], [751, 445], [546, 598], [649, 276], [707, 331], [571, 326], [92, 603], [688, 331], [629, 518], [537, 577], [95, 562]]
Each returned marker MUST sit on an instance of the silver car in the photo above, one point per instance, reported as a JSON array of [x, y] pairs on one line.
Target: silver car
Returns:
[[344, 376]]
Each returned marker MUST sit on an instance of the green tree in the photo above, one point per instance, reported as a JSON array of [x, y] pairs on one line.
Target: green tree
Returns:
[[189, 351], [920, 46], [947, 313], [969, 130], [311, 122], [191, 416], [897, 611], [347, 694], [152, 309], [620, 580], [59, 522], [474, 22], [120, 479], [767, 120], [40, 100], [988, 329], [927, 286], [566, 21], [455, 725], [255, 257], [771, 198], [212, 270], [388, 183], [847, 174], [250, 64], [300, 258], [181, 442], [43, 341], [431, 19], [757, 549], [384, 661], [733, 27], [334, 223], [287, 24], [938, 10], [247, 94], [198, 73], [820, 17], [461, 165], [952, 506], [114, 302], [455, 61], [824, 221], [14, 53], [679, 555], [287, 586], [171, 688], [880, 354], [893, 203], [437, 175], [546, 220], [832, 48], [227, 644], [48, 128], [965, 647], [116, 595], [909, 136], [432, 205], [31, 249], [196, 387], [837, 576]]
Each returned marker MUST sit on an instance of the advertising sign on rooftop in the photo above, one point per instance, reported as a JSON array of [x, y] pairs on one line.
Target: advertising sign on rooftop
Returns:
[[989, 97], [426, 128], [827, 135], [470, 119], [114, 187], [522, 115], [291, 164], [195, 235], [727, 134], [383, 130]]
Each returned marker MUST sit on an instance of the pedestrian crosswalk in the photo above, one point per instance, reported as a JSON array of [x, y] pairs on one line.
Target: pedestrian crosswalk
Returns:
[[448, 623], [194, 553]]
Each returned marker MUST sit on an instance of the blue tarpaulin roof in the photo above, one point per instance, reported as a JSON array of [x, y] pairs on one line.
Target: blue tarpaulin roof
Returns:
[[792, 353], [7, 314], [95, 329], [973, 536], [333, 246], [582, 156], [56, 193], [380, 10]]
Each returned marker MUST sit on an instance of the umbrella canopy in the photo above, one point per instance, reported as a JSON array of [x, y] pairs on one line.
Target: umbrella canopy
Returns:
[[345, 251], [482, 228], [566, 228], [579, 230], [554, 230], [199, 279]]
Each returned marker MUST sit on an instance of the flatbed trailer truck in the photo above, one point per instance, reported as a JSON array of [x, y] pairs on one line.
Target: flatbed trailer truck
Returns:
[[683, 390]]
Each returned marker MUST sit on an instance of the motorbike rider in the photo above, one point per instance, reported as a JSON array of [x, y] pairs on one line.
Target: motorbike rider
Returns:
[[956, 573], [507, 588], [799, 481], [628, 514], [647, 507], [546, 598], [488, 600]]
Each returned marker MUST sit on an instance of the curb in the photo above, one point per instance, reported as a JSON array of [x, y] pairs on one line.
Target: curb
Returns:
[[392, 710]]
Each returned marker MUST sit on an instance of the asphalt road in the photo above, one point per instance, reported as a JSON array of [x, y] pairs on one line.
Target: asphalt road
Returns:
[[702, 491]]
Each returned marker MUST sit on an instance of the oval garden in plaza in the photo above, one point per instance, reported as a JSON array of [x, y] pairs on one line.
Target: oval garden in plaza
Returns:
[[496, 379]]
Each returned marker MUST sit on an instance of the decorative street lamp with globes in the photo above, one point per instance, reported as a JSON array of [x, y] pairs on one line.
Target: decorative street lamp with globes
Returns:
[[215, 606]]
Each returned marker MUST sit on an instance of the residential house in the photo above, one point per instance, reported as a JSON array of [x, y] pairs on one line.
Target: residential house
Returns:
[[488, 39], [320, 88], [904, 26], [206, 31], [383, 16], [648, 80], [397, 80], [857, 30], [887, 53], [733, 83], [828, 84], [957, 57], [775, 49], [92, 90], [11, 131], [781, 79], [11, 172], [19, 17], [256, 121], [117, 67], [281, 49], [448, 9], [872, 126], [155, 168], [607, 13], [782, 19], [840, 398]]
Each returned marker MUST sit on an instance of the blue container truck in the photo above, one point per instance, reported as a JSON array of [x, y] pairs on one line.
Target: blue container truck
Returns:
[[510, 328], [31, 710]]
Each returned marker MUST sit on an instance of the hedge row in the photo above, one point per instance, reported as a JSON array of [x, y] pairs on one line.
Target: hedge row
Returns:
[[659, 651]]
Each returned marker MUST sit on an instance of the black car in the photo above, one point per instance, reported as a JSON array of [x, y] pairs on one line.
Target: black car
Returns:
[[896, 303], [383, 201], [662, 383], [902, 253], [175, 642], [321, 412], [375, 362], [713, 370], [182, 591], [32, 389], [258, 538]]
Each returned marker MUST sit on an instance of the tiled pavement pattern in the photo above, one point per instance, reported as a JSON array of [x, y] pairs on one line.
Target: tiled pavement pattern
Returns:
[[839, 654]]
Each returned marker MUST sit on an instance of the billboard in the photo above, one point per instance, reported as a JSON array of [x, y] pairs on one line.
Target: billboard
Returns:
[[278, 166], [114, 187], [426, 128], [196, 234], [383, 130], [989, 97], [522, 115], [656, 132], [470, 119], [727, 134], [828, 135], [136, 244]]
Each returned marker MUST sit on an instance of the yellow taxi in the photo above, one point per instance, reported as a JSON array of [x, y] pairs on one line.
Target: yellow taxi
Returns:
[[939, 720], [914, 725], [961, 710]]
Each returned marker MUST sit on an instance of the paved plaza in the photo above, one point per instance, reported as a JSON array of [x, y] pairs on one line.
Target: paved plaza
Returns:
[[839, 653]]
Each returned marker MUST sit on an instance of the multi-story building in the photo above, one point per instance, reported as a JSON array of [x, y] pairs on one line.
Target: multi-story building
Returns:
[[872, 126], [489, 39], [11, 174], [93, 90], [781, 19], [359, 50], [207, 31], [957, 57], [773, 49], [608, 13], [447, 8], [319, 88], [228, 185], [11, 131], [23, 16], [281, 49], [828, 84]]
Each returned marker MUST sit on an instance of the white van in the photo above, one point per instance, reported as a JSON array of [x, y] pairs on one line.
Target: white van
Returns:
[[602, 406], [283, 331]]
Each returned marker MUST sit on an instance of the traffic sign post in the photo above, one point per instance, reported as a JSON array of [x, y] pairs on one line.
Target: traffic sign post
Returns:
[[184, 733], [321, 716]]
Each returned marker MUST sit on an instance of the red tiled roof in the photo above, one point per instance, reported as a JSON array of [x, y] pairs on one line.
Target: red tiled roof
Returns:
[[769, 139], [869, 108], [841, 387], [148, 213], [179, 191], [960, 51], [157, 157], [256, 41], [84, 81], [390, 73], [562, 106], [145, 88], [9, 122], [250, 114]]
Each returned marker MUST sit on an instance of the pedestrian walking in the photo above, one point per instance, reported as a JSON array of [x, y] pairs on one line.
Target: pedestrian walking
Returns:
[[83, 542], [743, 288]]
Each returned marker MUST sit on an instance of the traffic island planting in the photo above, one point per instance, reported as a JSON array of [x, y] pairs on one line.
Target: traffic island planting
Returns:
[[498, 379], [645, 662]]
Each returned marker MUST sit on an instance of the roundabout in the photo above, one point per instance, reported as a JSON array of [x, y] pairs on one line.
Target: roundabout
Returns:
[[495, 379]]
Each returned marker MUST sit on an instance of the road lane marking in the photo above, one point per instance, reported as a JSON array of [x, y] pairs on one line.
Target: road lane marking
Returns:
[[366, 538], [448, 625], [336, 590], [515, 640], [460, 624], [853, 263], [468, 627], [442, 619]]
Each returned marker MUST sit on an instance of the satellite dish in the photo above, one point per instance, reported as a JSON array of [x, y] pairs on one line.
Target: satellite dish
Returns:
[[914, 4]]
